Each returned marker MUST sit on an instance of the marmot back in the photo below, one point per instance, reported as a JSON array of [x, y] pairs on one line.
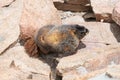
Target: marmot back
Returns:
[[60, 39]]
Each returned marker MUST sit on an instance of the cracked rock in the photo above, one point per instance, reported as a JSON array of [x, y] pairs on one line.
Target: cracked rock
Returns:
[[103, 9], [9, 24], [116, 13], [97, 50], [17, 65]]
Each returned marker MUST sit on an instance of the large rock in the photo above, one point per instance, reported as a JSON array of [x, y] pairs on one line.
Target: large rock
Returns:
[[84, 62], [17, 65], [111, 72], [98, 49], [35, 15], [82, 2], [9, 23], [103, 9], [116, 13], [72, 5], [5, 3]]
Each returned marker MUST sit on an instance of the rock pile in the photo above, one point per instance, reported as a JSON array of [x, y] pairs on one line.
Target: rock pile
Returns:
[[97, 57]]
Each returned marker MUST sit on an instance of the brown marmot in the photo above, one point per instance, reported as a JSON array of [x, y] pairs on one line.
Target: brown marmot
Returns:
[[60, 38]]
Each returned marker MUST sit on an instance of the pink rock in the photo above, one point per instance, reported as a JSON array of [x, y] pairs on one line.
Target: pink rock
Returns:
[[116, 13], [17, 65], [72, 5], [103, 9], [9, 24], [36, 14], [5, 2], [100, 48]]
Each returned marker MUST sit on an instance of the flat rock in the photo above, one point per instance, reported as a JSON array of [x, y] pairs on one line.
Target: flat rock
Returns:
[[73, 19], [82, 2], [9, 24], [61, 1], [5, 2], [116, 13], [98, 49], [103, 9], [102, 33], [113, 71], [35, 15], [82, 65], [110, 72], [73, 5], [17, 65]]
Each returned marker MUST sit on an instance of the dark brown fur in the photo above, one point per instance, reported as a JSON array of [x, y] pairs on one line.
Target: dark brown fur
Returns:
[[60, 39]]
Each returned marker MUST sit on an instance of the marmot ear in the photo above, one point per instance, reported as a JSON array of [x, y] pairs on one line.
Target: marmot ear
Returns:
[[41, 38]]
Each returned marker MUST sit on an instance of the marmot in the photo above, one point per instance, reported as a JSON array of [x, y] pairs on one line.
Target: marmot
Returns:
[[60, 39]]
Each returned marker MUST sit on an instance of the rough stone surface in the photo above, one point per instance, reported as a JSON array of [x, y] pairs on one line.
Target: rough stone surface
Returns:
[[73, 5], [35, 15], [17, 65], [103, 9], [116, 13], [9, 24], [88, 62], [5, 2], [113, 71], [82, 2], [73, 19], [97, 50], [102, 33], [61, 1]]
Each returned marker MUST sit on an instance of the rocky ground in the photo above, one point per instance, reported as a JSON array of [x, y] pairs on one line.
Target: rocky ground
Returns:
[[98, 56]]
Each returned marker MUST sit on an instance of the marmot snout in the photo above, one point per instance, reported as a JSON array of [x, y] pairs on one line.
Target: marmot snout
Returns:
[[60, 39]]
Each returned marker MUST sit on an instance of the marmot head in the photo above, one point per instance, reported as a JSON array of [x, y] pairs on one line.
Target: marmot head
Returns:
[[81, 31]]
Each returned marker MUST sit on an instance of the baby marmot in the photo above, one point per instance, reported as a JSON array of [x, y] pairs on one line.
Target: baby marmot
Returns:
[[60, 39]]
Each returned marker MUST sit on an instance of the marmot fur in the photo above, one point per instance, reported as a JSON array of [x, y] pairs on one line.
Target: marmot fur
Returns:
[[59, 39]]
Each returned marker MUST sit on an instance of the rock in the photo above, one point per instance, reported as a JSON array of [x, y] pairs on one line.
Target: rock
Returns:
[[82, 2], [61, 1], [88, 63], [103, 9], [73, 19], [89, 17], [105, 33], [5, 3], [9, 24], [116, 13], [113, 71], [98, 49], [101, 74], [35, 15], [73, 5], [17, 65]]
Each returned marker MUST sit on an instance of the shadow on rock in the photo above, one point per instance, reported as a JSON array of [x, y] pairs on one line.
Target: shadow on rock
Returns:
[[52, 59], [115, 29]]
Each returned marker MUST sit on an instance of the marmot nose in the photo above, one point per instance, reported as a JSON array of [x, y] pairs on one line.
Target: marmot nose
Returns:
[[86, 31]]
